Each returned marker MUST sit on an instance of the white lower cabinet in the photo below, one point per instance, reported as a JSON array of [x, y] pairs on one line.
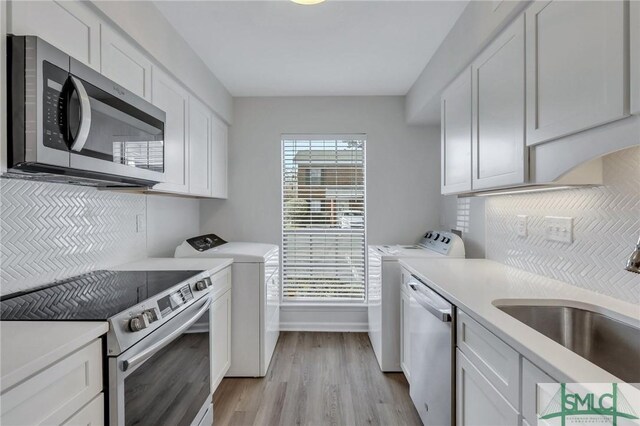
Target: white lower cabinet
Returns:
[[220, 339], [58, 392], [478, 403], [91, 414], [405, 333], [531, 394]]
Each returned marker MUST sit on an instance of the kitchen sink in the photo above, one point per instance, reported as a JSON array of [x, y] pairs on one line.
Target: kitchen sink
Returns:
[[608, 343]]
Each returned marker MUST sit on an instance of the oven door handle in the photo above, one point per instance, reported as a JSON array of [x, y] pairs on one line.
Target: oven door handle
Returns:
[[85, 115], [153, 349]]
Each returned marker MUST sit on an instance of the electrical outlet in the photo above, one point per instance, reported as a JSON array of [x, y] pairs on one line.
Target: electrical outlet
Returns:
[[521, 227], [558, 229], [140, 223]]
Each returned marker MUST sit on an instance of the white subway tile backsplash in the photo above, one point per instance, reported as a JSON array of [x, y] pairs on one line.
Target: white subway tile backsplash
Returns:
[[606, 226], [53, 231]]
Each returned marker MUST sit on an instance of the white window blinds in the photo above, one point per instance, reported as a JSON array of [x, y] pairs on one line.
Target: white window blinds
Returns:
[[323, 218]]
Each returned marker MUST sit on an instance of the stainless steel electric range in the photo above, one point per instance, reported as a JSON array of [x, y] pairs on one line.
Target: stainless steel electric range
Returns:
[[157, 364]]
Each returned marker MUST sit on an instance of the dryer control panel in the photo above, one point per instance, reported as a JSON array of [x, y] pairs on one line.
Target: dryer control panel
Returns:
[[206, 242]]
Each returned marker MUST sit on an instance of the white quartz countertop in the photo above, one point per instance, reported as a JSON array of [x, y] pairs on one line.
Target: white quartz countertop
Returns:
[[27, 347], [473, 285], [174, 264]]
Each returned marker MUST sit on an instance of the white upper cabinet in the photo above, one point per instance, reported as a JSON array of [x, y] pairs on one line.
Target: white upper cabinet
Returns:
[[456, 135], [575, 67], [71, 26], [218, 159], [124, 64], [499, 154], [199, 148], [635, 57], [170, 97]]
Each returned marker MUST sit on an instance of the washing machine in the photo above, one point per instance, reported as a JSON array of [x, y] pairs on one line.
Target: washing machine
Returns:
[[255, 299], [384, 287]]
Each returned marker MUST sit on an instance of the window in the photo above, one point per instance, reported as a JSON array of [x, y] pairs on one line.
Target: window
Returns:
[[323, 218]]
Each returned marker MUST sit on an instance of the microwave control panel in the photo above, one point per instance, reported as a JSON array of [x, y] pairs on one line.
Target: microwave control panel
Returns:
[[54, 102]]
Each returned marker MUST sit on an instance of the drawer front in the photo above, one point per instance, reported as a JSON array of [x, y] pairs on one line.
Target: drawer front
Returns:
[[91, 414], [221, 282], [498, 362], [531, 376], [54, 394]]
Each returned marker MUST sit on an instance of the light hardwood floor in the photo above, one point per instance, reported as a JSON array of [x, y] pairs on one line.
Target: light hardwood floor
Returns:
[[317, 379]]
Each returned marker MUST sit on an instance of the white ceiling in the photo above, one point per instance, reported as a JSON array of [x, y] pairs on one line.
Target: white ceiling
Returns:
[[341, 48]]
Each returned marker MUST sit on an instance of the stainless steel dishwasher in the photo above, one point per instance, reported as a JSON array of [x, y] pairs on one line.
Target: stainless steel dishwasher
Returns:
[[432, 354]]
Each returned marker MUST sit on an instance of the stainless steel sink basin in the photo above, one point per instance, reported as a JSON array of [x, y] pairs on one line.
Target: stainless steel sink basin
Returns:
[[610, 344]]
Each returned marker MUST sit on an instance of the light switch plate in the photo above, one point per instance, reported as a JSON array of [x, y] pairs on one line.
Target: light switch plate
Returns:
[[140, 223], [558, 229], [521, 227]]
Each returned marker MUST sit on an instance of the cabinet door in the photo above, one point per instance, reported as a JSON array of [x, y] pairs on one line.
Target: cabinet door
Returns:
[[635, 57], [499, 153], [91, 414], [531, 394], [71, 26], [170, 97], [455, 124], [57, 392], [220, 338], [575, 67], [477, 401], [199, 148], [219, 159], [405, 332], [124, 64]]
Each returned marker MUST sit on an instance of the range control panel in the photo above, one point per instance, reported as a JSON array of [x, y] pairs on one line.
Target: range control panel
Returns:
[[206, 242], [438, 241]]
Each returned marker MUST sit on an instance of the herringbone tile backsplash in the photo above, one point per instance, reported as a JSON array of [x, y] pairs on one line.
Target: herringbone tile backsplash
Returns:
[[53, 231], [606, 227]]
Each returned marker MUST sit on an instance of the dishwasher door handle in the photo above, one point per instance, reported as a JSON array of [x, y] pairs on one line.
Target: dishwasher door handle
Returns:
[[443, 314]]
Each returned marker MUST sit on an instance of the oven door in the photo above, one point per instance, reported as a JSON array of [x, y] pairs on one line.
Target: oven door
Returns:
[[165, 379], [111, 130]]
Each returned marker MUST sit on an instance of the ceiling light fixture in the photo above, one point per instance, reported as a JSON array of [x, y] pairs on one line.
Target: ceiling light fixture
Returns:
[[307, 2]]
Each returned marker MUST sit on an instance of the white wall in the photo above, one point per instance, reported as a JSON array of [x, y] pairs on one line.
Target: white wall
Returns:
[[403, 166], [170, 220]]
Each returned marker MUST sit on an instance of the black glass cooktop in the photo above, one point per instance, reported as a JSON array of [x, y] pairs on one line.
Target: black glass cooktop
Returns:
[[95, 296]]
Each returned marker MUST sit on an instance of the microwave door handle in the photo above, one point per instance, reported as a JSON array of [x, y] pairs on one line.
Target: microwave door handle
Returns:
[[151, 350], [85, 115]]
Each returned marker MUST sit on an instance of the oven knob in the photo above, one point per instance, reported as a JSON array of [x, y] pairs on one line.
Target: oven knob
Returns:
[[139, 322], [201, 285]]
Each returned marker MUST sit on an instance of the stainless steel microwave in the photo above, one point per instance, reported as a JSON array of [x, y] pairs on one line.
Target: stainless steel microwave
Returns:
[[68, 123]]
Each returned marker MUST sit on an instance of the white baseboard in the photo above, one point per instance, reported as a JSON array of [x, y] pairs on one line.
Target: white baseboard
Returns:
[[354, 327], [327, 318]]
